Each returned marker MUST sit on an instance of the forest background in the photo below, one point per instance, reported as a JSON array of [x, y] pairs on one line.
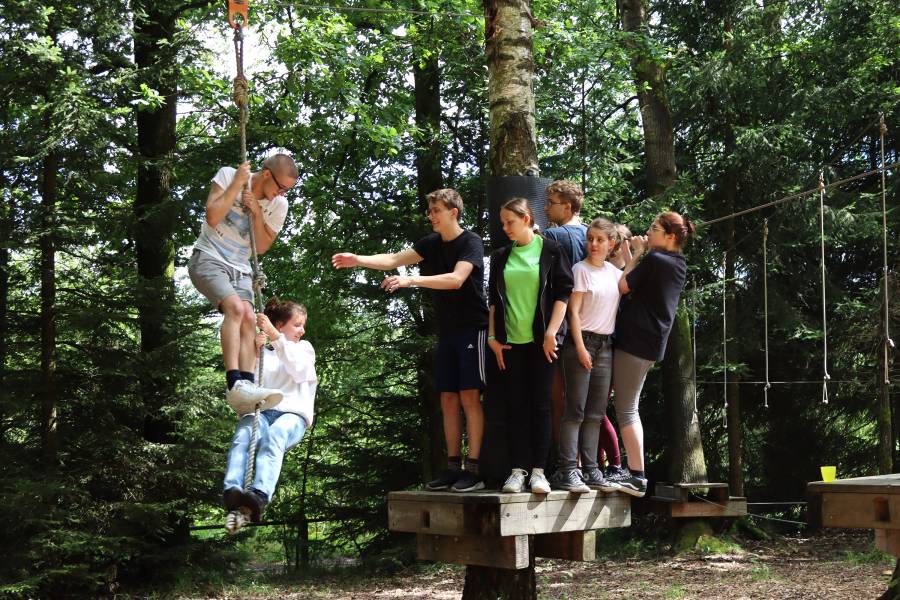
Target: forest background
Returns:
[[114, 118]]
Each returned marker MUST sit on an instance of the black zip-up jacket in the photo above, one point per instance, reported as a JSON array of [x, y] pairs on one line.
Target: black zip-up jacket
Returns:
[[555, 280]]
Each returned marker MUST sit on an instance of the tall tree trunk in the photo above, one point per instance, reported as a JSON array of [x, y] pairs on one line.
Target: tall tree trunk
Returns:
[[47, 243], [154, 209], [513, 138], [659, 150], [513, 151], [656, 117], [685, 444], [428, 159]]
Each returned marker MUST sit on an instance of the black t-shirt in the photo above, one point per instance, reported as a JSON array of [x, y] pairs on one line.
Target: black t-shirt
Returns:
[[465, 308], [647, 313]]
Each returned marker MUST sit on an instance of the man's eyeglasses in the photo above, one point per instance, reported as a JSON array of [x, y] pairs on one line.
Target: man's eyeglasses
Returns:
[[555, 203], [282, 189], [434, 211]]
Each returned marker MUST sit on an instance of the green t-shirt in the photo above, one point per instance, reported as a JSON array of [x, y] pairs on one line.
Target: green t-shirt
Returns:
[[521, 275]]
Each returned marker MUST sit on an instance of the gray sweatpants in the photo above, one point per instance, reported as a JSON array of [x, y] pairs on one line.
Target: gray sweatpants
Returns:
[[587, 392], [629, 373]]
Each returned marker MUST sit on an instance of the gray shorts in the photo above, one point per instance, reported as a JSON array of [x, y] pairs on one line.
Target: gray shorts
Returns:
[[217, 280]]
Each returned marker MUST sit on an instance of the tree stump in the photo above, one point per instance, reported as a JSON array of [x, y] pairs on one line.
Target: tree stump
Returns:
[[487, 583]]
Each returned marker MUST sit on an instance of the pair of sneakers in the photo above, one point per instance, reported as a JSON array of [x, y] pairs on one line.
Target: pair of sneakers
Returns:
[[581, 482], [538, 483], [456, 481], [625, 481], [244, 396]]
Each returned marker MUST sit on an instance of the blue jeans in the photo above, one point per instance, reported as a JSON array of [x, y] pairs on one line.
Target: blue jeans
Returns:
[[278, 432]]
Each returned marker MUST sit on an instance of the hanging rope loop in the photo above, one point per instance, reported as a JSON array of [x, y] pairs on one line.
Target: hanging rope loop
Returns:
[[724, 340], [825, 375], [888, 342], [766, 308]]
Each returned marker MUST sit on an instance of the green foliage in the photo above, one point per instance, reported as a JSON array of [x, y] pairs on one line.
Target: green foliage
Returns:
[[873, 556], [769, 95]]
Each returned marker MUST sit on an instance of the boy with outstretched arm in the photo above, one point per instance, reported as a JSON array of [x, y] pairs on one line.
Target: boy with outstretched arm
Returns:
[[452, 266]]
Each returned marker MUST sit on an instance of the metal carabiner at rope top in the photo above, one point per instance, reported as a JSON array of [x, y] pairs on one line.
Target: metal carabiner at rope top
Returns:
[[238, 8]]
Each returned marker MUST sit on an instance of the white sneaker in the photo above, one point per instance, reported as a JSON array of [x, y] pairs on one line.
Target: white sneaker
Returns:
[[516, 481], [236, 519], [244, 395], [538, 483]]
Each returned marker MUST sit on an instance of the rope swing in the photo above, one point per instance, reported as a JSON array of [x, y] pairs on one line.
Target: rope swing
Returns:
[[238, 18], [724, 341], [694, 339], [825, 375], [766, 309], [888, 342]]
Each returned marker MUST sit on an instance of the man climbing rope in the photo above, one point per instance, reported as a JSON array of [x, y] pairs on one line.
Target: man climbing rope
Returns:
[[220, 264]]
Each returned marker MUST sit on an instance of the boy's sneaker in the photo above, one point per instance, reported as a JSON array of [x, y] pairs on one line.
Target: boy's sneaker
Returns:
[[468, 482], [515, 482], [244, 395], [538, 482], [613, 471], [444, 482], [593, 478], [569, 480], [633, 486]]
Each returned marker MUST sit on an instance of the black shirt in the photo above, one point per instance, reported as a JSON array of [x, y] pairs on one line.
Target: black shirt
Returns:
[[647, 313], [465, 308]]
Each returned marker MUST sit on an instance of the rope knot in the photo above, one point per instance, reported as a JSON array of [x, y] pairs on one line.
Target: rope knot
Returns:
[[241, 91]]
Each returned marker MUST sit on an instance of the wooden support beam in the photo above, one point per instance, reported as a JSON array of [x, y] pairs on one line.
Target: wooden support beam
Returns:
[[888, 540], [510, 552], [682, 492], [861, 511], [733, 507], [496, 514], [574, 545]]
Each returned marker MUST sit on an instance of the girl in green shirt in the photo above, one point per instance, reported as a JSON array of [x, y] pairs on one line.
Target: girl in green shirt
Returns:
[[529, 286]]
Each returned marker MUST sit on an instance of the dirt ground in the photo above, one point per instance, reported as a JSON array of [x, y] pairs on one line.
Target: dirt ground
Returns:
[[835, 566]]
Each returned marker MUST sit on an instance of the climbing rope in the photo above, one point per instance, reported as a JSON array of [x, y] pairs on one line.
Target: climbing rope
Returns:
[[724, 341], [766, 309], [825, 375], [694, 339], [888, 342], [238, 18]]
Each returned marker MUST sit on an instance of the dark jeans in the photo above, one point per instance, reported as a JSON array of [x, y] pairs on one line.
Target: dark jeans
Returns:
[[587, 393], [526, 385]]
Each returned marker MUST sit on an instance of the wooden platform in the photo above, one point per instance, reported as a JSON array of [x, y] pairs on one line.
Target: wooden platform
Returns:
[[861, 503], [683, 500], [493, 529]]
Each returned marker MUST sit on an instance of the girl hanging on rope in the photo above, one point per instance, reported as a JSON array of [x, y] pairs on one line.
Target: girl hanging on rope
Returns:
[[289, 367], [587, 361], [650, 287], [529, 286]]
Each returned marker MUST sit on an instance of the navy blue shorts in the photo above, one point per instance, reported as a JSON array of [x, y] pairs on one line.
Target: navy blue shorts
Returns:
[[460, 360]]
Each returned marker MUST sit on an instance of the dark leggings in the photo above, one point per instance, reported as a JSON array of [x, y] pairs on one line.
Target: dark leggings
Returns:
[[609, 442], [527, 382]]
